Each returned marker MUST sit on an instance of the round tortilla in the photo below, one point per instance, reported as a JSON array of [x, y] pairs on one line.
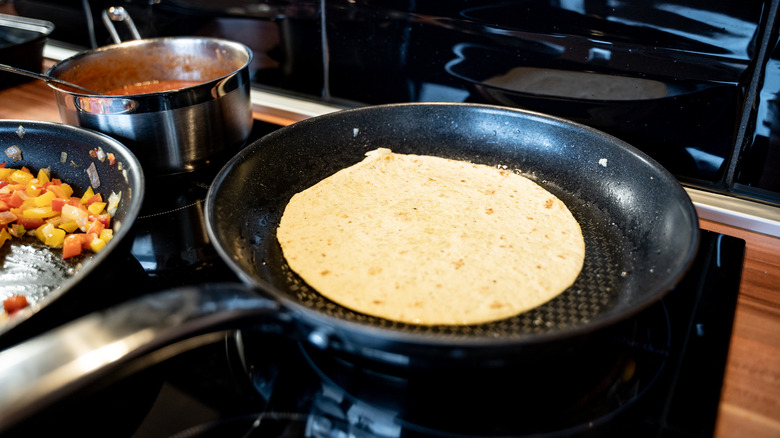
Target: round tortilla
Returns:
[[431, 241]]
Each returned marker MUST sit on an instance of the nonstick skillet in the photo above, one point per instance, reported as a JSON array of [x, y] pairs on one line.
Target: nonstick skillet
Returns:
[[639, 225], [640, 230], [36, 271]]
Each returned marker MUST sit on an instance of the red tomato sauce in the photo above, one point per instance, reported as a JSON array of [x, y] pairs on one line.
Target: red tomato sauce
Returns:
[[151, 87]]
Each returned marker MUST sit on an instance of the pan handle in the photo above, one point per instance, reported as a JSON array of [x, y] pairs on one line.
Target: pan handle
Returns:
[[118, 13], [121, 339]]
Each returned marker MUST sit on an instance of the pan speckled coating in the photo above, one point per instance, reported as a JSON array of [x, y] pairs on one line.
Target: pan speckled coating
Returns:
[[640, 227]]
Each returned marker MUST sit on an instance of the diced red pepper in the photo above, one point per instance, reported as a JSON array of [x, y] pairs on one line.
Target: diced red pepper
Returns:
[[30, 223], [16, 199], [104, 218], [95, 198], [71, 247], [57, 203], [86, 240], [15, 303], [96, 228]]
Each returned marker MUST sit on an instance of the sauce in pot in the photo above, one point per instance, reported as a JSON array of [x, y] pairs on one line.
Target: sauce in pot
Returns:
[[151, 87]]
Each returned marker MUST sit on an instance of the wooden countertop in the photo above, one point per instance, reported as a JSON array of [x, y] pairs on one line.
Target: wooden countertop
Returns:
[[750, 401]]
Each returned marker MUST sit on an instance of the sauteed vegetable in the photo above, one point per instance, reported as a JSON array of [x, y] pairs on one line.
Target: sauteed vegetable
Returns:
[[47, 208]]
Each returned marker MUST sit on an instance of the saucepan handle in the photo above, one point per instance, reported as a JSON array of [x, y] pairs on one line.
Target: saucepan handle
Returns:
[[133, 335], [117, 14]]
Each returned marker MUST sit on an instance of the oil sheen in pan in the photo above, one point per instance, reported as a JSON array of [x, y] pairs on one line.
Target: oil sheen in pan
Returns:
[[594, 292], [33, 269]]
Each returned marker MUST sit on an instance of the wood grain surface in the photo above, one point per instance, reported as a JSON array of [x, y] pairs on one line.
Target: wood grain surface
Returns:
[[29, 101], [750, 402]]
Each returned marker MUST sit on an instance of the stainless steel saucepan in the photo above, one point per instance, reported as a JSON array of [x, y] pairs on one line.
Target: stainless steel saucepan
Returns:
[[172, 131]]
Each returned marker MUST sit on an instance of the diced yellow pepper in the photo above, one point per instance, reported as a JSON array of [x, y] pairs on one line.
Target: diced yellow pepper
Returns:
[[39, 233], [20, 177], [5, 173], [44, 199], [4, 235], [69, 227], [68, 190], [43, 176], [39, 213], [96, 207], [53, 236], [27, 203], [97, 244], [106, 234], [88, 194], [58, 191], [33, 190]]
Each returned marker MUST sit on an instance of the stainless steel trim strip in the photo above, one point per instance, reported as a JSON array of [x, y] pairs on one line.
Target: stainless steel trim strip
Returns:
[[736, 212], [298, 108], [57, 52]]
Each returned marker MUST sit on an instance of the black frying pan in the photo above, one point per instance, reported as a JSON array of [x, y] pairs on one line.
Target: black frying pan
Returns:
[[640, 230], [32, 269]]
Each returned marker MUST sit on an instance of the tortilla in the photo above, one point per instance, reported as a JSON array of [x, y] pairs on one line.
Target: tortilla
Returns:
[[431, 241]]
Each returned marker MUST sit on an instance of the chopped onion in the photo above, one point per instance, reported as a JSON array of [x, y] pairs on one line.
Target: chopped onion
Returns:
[[63, 157], [13, 152], [113, 203], [94, 179]]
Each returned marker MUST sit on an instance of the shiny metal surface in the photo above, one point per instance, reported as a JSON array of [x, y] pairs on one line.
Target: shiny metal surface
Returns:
[[737, 212], [118, 14], [32, 74], [138, 333], [173, 131]]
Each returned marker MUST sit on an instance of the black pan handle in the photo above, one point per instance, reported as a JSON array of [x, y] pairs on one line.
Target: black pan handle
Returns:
[[130, 336]]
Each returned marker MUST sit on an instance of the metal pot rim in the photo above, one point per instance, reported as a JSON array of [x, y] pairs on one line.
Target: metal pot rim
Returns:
[[60, 67]]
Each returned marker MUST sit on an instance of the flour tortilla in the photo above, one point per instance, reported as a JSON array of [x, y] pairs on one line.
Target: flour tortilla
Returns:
[[431, 241]]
